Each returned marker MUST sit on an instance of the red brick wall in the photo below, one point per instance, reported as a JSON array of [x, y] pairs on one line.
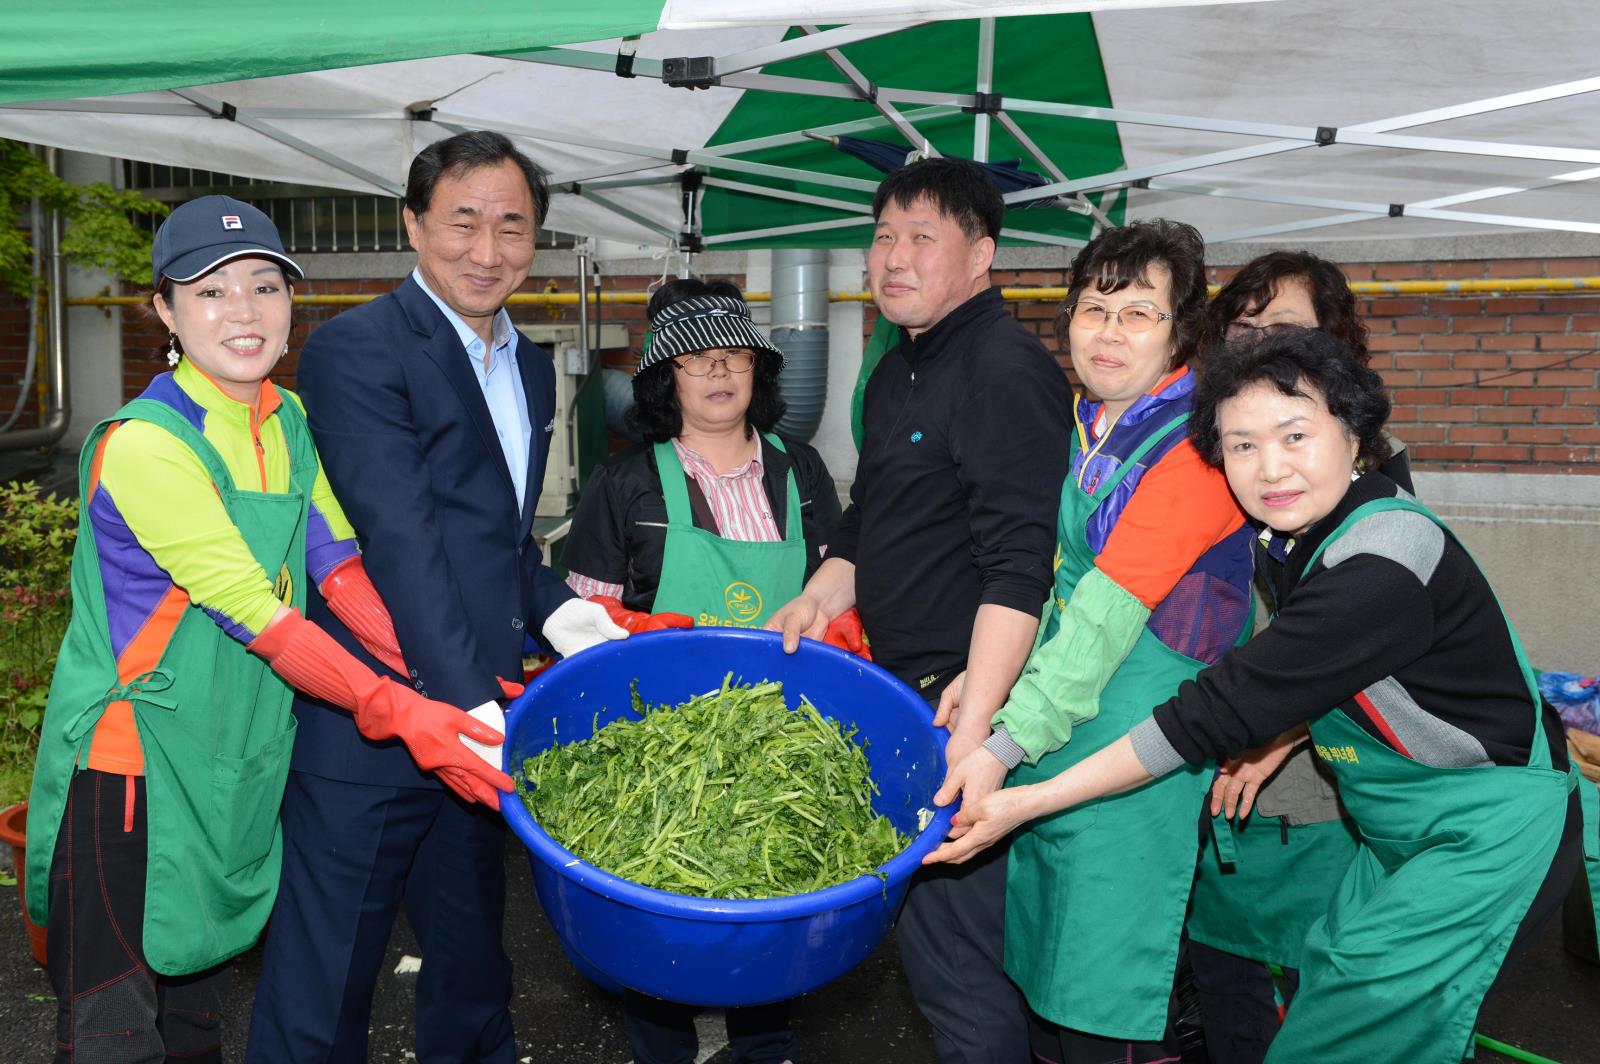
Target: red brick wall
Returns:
[[13, 361], [144, 340], [1493, 383], [1488, 384]]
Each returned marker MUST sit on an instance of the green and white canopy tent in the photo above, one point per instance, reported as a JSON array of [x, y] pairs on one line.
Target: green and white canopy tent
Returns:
[[1250, 119]]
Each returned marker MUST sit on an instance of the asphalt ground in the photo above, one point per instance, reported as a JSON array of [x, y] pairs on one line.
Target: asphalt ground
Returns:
[[1550, 1005]]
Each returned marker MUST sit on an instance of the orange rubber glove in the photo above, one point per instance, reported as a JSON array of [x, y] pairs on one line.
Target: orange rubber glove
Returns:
[[845, 632], [354, 600], [312, 662], [637, 621]]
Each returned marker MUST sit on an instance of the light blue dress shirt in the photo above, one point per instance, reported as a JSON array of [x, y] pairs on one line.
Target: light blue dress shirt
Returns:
[[501, 381]]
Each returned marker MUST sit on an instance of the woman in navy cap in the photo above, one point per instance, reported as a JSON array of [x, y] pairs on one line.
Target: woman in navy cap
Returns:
[[153, 839]]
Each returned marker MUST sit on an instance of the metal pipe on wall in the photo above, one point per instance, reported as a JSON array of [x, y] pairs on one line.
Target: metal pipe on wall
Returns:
[[800, 331], [58, 413]]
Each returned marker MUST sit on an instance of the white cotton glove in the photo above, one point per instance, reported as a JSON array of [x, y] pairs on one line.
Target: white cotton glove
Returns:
[[579, 624]]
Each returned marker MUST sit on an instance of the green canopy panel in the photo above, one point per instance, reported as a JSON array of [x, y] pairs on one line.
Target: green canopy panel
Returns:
[[1278, 121], [1047, 57]]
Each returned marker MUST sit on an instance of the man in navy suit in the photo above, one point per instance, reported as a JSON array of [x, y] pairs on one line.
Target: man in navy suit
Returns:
[[433, 419]]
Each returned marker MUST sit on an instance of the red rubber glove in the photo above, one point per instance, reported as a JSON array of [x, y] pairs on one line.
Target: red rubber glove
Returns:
[[637, 621], [845, 632], [309, 659], [354, 600]]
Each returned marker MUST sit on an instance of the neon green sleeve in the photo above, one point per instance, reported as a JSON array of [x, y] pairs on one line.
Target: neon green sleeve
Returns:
[[1060, 685], [165, 495]]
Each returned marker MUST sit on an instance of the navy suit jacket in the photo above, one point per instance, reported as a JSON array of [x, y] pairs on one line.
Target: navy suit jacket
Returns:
[[411, 452]]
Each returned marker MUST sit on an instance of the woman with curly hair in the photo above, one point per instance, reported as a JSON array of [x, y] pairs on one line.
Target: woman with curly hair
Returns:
[[1263, 879], [713, 520], [1296, 289], [1391, 656], [1152, 583]]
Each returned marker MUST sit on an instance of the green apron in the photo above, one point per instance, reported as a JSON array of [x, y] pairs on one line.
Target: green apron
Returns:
[[1096, 894], [1261, 884], [1589, 799], [213, 721], [1449, 862], [717, 581]]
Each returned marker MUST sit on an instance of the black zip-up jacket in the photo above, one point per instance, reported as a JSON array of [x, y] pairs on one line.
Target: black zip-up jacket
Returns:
[[967, 430], [1395, 624], [619, 531]]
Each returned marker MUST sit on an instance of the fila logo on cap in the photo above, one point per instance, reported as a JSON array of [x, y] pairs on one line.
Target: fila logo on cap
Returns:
[[232, 221]]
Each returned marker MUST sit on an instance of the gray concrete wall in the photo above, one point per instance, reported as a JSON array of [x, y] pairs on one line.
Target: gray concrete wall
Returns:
[[1538, 539]]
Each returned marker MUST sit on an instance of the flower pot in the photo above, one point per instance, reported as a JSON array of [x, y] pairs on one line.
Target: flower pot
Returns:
[[13, 832]]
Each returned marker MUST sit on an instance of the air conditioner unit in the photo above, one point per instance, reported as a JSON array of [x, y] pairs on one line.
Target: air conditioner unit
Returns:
[[558, 492]]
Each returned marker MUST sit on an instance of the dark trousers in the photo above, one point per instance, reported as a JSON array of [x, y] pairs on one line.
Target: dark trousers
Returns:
[[1238, 1009], [952, 933], [663, 1032], [1062, 1045], [952, 944], [110, 1007], [351, 853]]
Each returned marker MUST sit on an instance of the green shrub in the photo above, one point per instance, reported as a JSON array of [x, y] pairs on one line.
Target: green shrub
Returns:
[[36, 537]]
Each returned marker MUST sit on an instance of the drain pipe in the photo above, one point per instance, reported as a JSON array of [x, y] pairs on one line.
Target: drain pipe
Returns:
[[59, 412], [800, 331], [36, 237]]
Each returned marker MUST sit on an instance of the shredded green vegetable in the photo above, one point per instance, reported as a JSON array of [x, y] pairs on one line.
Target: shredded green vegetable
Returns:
[[728, 795]]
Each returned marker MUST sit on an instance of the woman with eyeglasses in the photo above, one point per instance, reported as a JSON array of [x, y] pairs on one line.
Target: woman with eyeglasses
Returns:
[[713, 520], [1389, 647], [1296, 289], [1152, 583], [1270, 866]]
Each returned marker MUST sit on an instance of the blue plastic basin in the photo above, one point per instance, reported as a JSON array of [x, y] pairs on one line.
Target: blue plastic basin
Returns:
[[705, 951]]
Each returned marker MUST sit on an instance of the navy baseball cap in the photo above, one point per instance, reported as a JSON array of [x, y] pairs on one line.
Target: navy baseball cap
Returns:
[[204, 233]]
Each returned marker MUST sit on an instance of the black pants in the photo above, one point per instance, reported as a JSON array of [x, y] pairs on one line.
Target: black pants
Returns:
[[110, 1007], [663, 1032], [1062, 1045], [1237, 1006], [952, 934]]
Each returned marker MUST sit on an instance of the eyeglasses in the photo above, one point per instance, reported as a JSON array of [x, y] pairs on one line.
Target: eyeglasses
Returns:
[[700, 363], [1239, 330], [1133, 318]]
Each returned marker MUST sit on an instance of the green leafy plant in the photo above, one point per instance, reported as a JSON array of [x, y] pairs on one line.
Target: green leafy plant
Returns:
[[729, 795], [100, 231], [36, 537]]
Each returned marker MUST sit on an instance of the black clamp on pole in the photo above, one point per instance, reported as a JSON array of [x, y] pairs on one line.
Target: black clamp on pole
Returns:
[[625, 53], [1326, 135], [985, 103], [420, 112], [690, 72], [691, 182], [1397, 210], [228, 111]]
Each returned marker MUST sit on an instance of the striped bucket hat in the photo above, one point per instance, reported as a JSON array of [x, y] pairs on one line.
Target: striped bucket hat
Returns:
[[700, 323]]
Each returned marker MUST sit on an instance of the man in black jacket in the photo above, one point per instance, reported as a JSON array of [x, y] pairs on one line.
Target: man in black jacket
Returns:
[[946, 545]]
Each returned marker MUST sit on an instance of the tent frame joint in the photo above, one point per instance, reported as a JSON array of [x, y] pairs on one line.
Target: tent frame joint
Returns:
[[1397, 210], [1326, 135], [689, 72], [985, 103]]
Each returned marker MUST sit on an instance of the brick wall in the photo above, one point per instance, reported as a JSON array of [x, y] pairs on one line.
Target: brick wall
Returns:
[[144, 340], [1487, 384], [13, 361], [1492, 383]]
